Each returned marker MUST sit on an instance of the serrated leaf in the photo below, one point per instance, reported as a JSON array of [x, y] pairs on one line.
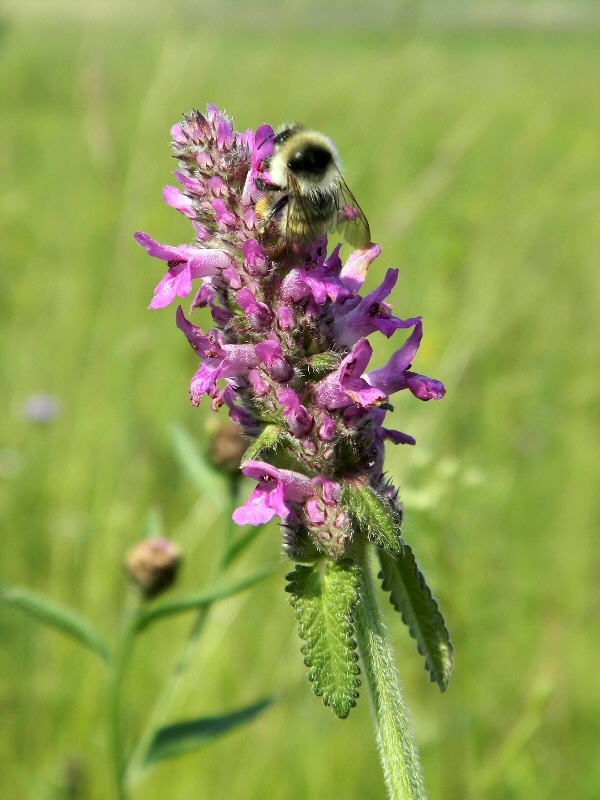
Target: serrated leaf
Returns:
[[205, 477], [410, 595], [375, 516], [56, 616], [196, 601], [269, 438], [323, 597], [184, 737]]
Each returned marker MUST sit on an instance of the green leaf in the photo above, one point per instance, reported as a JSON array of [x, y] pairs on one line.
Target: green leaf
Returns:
[[55, 616], [269, 438], [196, 601], [183, 737], [375, 516], [323, 597], [205, 477], [410, 595]]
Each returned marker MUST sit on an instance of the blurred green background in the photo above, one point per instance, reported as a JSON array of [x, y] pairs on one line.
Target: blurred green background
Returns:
[[470, 134]]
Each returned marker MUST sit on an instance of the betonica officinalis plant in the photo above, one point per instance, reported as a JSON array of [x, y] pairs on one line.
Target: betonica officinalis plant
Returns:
[[288, 359]]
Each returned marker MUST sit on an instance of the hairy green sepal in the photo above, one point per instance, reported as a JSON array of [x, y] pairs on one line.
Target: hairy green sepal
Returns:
[[375, 516], [321, 364], [323, 596], [410, 595], [269, 438]]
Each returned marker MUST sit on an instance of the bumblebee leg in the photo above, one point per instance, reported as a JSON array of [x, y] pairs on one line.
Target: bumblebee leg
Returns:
[[265, 186]]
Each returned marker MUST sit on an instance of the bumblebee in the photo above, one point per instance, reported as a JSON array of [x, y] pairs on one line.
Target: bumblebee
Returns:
[[308, 197]]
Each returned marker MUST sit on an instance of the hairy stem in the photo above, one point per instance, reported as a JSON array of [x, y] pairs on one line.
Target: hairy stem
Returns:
[[395, 741]]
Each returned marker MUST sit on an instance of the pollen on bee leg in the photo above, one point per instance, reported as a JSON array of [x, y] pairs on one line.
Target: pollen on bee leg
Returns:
[[262, 207]]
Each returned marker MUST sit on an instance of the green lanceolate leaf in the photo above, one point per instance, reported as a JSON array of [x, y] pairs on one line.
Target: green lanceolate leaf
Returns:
[[269, 438], [204, 476], [375, 516], [323, 597], [410, 595], [198, 601], [55, 616], [183, 737]]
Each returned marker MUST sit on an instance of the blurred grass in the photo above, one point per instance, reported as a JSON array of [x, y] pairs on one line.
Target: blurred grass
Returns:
[[476, 158]]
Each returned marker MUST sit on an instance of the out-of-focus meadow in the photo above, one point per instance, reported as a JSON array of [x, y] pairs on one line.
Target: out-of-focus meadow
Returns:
[[475, 154]]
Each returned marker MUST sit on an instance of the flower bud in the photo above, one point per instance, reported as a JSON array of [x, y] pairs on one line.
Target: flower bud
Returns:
[[326, 522], [153, 566]]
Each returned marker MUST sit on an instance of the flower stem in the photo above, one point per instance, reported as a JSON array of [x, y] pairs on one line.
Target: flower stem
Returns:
[[136, 767], [397, 750], [118, 669]]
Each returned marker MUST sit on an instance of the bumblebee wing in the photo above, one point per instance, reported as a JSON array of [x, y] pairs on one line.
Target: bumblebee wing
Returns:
[[352, 224], [304, 219]]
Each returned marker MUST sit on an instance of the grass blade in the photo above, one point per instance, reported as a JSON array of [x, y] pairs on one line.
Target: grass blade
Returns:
[[184, 737], [56, 616], [204, 476]]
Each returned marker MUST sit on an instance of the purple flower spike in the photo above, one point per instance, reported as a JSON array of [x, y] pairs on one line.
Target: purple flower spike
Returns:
[[224, 216], [264, 147], [354, 273], [360, 317], [317, 279], [186, 263], [296, 415], [397, 437], [256, 262], [345, 387], [271, 354], [395, 376], [288, 353], [277, 491], [259, 315], [179, 201]]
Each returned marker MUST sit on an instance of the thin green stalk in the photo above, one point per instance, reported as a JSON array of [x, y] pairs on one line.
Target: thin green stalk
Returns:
[[395, 741], [119, 665], [136, 767], [229, 532]]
